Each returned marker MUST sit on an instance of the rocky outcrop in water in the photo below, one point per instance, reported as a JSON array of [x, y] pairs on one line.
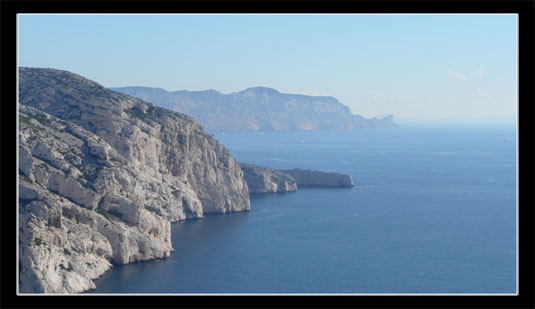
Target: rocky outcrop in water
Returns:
[[261, 179], [318, 178], [102, 175], [258, 108]]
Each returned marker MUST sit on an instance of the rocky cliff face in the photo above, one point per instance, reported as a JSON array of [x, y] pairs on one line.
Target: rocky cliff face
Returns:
[[317, 178], [102, 175], [266, 180], [262, 179], [258, 108]]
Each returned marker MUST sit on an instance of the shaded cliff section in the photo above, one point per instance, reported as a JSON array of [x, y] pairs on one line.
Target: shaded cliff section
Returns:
[[258, 108], [262, 179], [102, 175]]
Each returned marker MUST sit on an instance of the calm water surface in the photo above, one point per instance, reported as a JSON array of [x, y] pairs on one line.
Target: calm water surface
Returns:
[[433, 211]]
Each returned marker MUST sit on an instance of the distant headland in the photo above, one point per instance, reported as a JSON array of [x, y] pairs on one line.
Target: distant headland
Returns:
[[258, 108]]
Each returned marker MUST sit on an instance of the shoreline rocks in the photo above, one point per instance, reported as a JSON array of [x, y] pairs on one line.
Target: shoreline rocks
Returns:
[[261, 179]]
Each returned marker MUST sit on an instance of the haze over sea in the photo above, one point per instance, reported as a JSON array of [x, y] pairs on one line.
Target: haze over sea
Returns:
[[433, 210]]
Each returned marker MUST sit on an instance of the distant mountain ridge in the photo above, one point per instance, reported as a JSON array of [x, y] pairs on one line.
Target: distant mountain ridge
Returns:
[[258, 108]]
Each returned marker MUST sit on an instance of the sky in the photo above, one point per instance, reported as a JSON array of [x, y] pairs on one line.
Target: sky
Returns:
[[412, 66]]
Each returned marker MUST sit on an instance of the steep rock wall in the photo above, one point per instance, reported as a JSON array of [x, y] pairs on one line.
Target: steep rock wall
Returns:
[[102, 175]]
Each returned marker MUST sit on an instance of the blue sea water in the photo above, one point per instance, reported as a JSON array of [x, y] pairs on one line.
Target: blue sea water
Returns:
[[433, 210]]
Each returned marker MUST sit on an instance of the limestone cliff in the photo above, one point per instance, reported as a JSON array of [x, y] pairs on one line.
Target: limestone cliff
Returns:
[[261, 179], [258, 108], [102, 175], [318, 178]]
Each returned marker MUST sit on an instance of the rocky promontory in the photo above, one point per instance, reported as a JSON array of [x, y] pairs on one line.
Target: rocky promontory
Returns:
[[259, 108], [262, 179], [318, 178], [102, 175]]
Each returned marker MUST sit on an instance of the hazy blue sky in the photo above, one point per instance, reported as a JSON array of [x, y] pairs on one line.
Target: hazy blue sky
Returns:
[[414, 66]]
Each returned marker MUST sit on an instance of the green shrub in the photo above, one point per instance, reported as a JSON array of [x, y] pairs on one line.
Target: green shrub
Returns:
[[63, 267]]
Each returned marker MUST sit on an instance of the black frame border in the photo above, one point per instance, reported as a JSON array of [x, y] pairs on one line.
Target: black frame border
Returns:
[[525, 10]]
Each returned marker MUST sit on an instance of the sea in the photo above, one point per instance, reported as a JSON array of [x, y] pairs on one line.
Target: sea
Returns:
[[433, 211]]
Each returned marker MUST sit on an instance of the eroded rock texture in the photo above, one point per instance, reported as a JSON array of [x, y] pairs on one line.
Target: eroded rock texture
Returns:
[[102, 175]]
